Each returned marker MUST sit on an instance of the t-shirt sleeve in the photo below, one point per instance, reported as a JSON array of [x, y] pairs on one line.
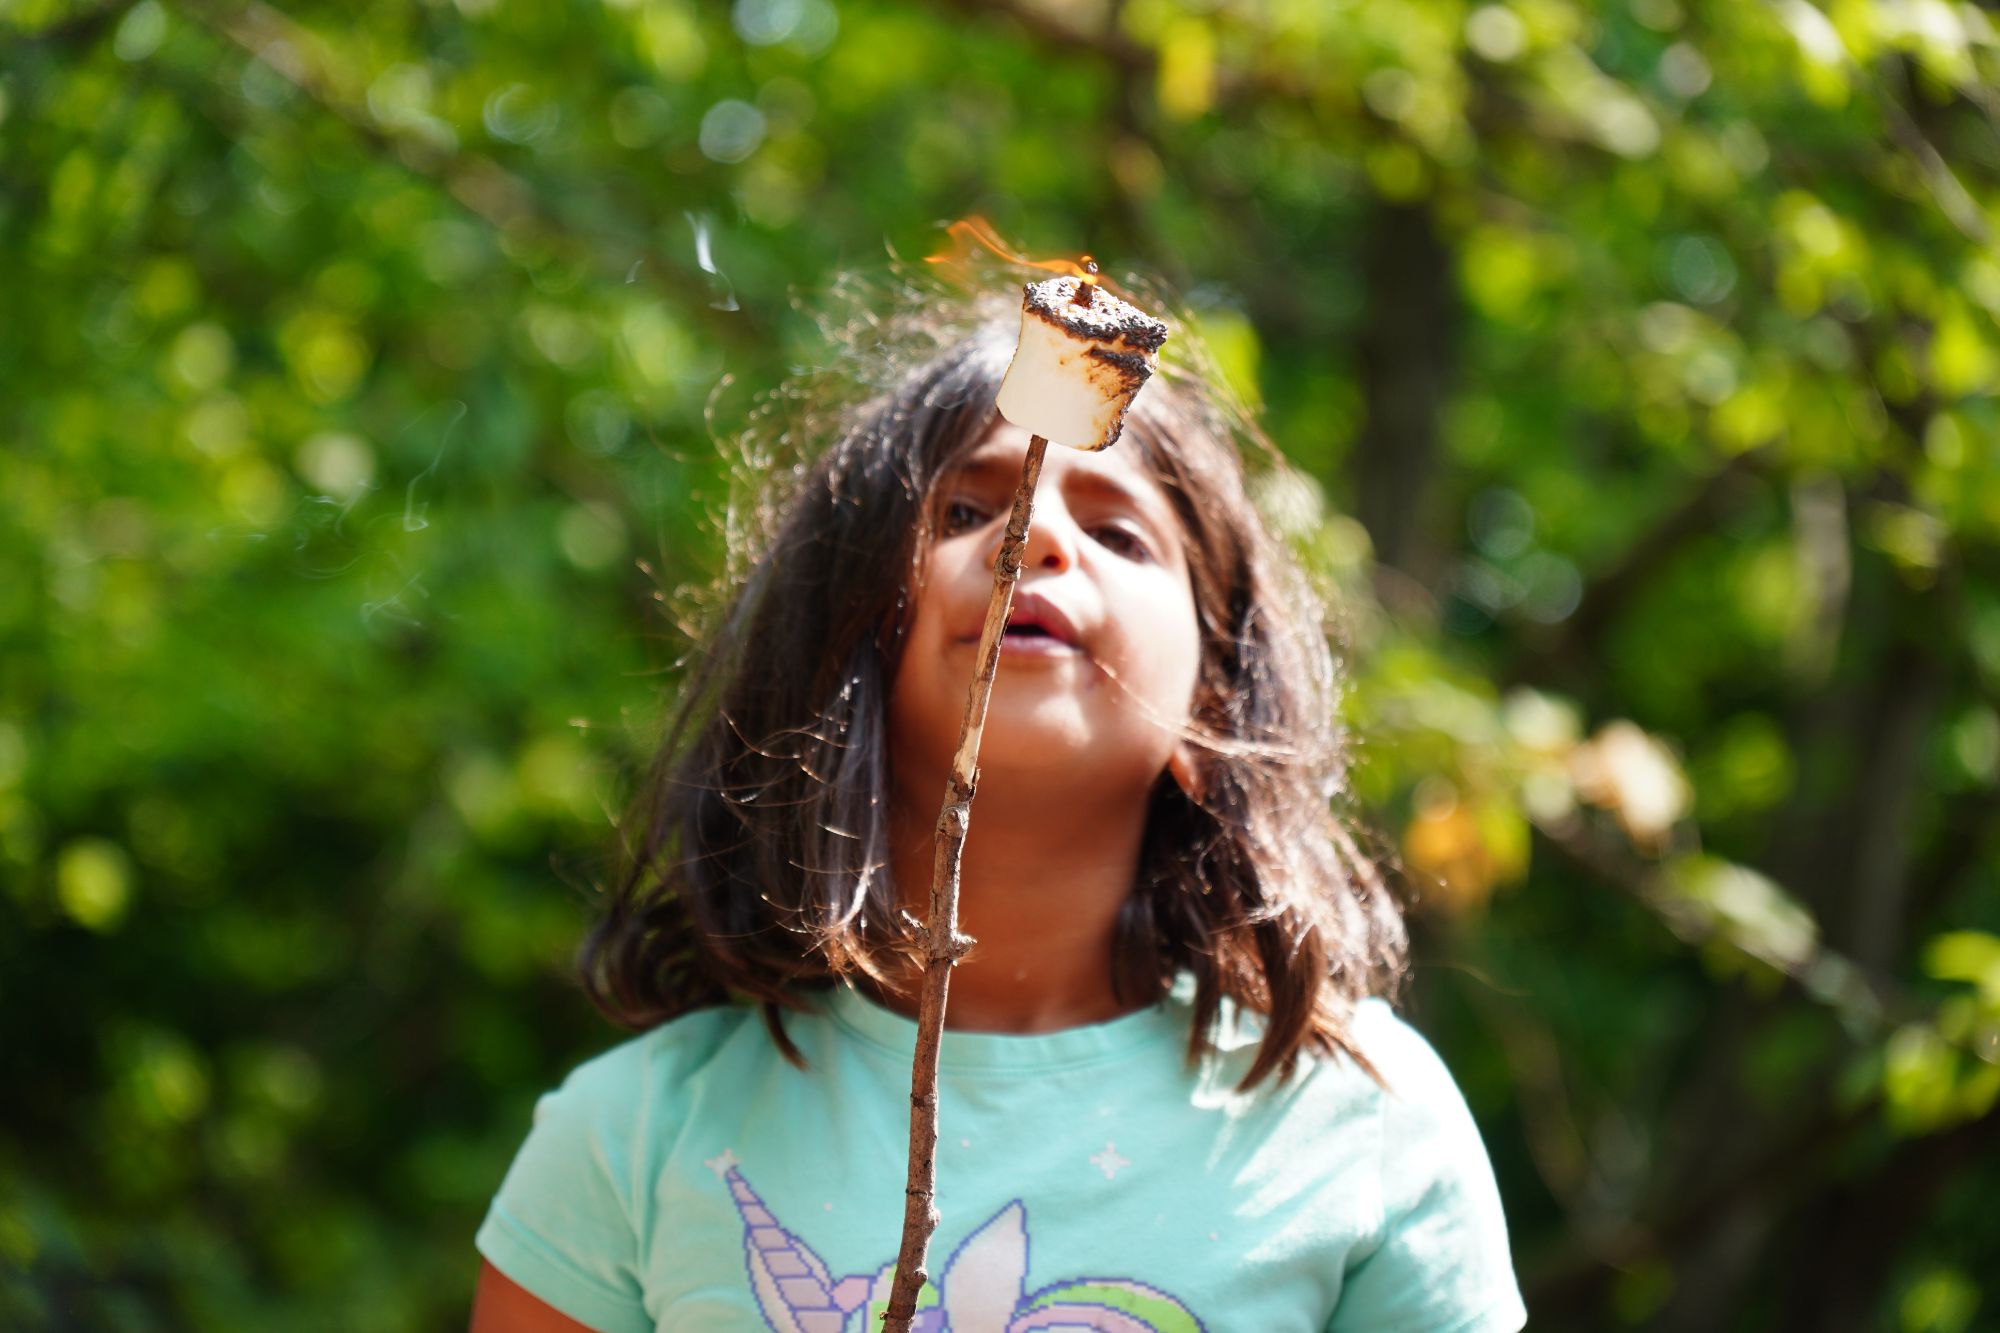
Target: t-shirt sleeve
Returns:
[[564, 1224], [1440, 1262]]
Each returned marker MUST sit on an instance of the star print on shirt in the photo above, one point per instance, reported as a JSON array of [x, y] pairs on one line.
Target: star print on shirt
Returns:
[[720, 1165], [1108, 1161]]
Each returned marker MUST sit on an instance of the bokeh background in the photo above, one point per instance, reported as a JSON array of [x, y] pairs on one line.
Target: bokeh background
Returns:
[[1640, 361]]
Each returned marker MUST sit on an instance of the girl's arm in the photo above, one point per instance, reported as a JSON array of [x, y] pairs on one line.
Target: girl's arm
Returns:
[[501, 1305]]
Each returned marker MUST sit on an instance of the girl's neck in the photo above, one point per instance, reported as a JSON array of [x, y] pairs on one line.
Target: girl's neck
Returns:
[[1041, 884]]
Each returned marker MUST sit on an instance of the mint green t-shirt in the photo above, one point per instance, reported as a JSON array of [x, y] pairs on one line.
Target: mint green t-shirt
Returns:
[[691, 1179]]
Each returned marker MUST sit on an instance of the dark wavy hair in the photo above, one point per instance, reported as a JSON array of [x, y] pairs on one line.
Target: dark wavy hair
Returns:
[[755, 859]]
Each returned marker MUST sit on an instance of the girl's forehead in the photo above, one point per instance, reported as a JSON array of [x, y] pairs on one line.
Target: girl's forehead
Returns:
[[1121, 469]]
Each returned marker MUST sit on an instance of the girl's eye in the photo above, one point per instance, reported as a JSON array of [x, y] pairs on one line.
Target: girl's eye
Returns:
[[959, 516], [1122, 541]]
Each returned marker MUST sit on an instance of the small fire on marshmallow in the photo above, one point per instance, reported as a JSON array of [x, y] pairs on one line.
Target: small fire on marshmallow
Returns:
[[1084, 353], [968, 234]]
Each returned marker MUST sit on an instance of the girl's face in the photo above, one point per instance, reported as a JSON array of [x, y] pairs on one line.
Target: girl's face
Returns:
[[1098, 668]]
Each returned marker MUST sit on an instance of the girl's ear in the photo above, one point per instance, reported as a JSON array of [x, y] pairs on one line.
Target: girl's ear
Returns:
[[1185, 767]]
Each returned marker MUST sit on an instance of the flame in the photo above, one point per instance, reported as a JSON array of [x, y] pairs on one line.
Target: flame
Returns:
[[968, 234]]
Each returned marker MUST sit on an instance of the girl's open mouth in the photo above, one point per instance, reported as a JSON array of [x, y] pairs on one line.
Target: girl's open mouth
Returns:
[[1031, 640], [1038, 627], [1036, 624]]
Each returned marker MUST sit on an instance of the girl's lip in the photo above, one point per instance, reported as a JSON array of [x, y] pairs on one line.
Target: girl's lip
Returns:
[[1036, 645], [1031, 608], [1057, 639]]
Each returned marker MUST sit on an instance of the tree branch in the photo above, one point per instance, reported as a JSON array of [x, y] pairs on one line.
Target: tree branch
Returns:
[[1569, 1284], [484, 188], [1607, 593], [79, 29], [1043, 26], [1829, 977]]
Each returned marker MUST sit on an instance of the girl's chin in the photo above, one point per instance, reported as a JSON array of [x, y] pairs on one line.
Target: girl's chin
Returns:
[[1062, 748], [1036, 791], [1037, 756], [1052, 715]]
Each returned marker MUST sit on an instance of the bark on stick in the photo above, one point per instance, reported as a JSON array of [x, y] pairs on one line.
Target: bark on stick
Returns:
[[943, 945]]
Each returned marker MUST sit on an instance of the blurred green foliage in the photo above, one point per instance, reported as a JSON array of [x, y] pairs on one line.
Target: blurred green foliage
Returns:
[[1641, 358]]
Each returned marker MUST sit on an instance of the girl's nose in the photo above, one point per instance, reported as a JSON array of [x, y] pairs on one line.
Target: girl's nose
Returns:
[[1052, 538]]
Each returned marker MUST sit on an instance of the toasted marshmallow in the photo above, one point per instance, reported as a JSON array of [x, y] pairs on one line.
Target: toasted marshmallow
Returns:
[[1078, 366]]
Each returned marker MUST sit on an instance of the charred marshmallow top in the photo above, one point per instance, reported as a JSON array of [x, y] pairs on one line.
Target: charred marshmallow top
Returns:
[[1078, 365]]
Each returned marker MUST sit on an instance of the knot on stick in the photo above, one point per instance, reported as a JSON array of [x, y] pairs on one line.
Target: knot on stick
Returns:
[[956, 947]]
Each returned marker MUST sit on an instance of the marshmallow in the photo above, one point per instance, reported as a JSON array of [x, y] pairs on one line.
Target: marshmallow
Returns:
[[1078, 366]]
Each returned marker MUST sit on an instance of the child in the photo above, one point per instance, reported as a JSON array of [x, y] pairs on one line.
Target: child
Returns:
[[1169, 1098]]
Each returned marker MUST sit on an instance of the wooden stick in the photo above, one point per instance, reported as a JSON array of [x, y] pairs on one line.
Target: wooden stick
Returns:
[[943, 945]]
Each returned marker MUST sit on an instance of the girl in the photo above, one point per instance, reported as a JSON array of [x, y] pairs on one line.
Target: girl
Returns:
[[1170, 1099]]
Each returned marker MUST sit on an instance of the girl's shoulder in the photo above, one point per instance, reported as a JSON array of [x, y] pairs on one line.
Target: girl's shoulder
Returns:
[[1407, 1119], [1411, 1069], [1409, 1065], [642, 1076], [580, 1193], [1415, 1098]]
